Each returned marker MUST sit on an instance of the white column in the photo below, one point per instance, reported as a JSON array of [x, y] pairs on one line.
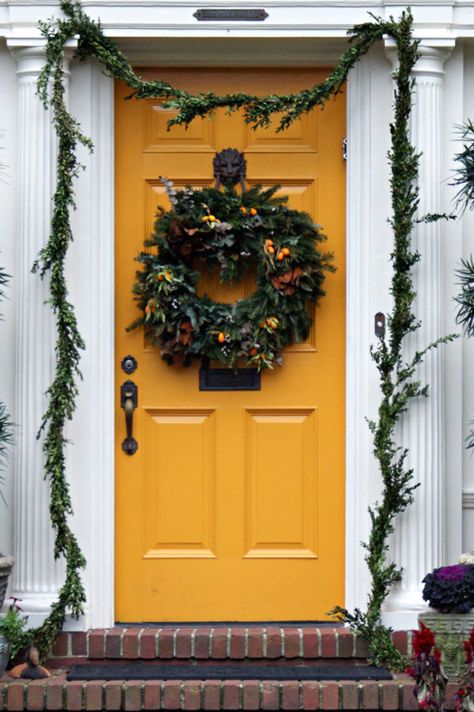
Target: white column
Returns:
[[419, 543], [37, 576]]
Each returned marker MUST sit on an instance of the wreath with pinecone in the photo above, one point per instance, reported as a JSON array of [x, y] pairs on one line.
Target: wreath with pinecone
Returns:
[[211, 229]]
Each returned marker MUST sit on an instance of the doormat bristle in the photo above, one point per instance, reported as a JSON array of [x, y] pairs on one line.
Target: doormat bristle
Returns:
[[238, 671]]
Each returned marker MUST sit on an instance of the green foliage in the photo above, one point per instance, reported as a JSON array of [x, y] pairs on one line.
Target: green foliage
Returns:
[[225, 231], [12, 627], [397, 381], [464, 180], [464, 174]]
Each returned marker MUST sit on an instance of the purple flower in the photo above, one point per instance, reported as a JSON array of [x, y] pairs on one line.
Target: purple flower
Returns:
[[451, 573]]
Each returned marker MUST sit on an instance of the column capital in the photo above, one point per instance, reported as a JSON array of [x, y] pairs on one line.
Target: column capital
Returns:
[[30, 55], [432, 54]]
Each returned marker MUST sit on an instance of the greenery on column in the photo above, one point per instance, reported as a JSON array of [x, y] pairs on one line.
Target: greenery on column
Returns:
[[398, 379], [398, 383]]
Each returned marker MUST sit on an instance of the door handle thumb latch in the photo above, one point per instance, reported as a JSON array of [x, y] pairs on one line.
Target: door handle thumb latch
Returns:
[[129, 401]]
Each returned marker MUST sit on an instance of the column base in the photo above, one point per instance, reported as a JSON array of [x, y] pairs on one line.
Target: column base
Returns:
[[401, 610], [35, 605]]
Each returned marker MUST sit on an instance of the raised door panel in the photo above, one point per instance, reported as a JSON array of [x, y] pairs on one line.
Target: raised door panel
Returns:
[[178, 483], [281, 484]]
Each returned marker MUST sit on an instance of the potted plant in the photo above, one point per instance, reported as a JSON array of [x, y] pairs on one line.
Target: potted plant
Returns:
[[11, 633], [450, 591]]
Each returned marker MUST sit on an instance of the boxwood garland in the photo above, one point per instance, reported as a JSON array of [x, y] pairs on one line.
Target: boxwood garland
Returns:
[[226, 231], [398, 384]]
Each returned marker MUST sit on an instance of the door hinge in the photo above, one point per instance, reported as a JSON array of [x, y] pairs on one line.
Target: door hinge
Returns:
[[344, 148]]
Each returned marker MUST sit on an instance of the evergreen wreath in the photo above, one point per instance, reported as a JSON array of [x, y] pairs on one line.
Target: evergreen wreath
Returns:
[[227, 231]]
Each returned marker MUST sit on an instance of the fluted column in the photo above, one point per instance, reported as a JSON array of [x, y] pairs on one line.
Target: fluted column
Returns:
[[419, 540], [36, 575]]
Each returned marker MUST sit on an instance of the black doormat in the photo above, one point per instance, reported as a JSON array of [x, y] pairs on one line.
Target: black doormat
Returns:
[[237, 671]]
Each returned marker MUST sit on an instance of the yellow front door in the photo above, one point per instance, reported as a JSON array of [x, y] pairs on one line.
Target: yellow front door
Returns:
[[232, 508]]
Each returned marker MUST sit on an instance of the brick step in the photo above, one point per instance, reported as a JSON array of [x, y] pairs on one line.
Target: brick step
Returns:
[[263, 644], [270, 642], [57, 694]]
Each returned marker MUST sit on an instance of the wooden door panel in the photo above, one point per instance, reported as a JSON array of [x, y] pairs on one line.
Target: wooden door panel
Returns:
[[233, 506], [281, 488], [179, 484]]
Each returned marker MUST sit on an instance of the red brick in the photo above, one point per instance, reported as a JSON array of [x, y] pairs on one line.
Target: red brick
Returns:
[[212, 695], [251, 695], [273, 643], [255, 643], [54, 695], [390, 696], [152, 695], [202, 641], [310, 643], [361, 647], [291, 643], [60, 647], [329, 696], [171, 695], [15, 696], [130, 644], [270, 696], [74, 696], [409, 701], [165, 643], [311, 695], [113, 643], [183, 642], [96, 644], [237, 643], [147, 644], [94, 696], [133, 695], [219, 643], [328, 643], [345, 643], [113, 695], [192, 695], [370, 696], [79, 643], [231, 697], [349, 695], [290, 696], [400, 639], [35, 695]]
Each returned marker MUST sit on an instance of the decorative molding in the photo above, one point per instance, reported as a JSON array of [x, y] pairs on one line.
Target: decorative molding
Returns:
[[358, 333], [91, 458]]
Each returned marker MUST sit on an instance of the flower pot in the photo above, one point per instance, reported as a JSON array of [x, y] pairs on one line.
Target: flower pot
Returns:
[[450, 630], [3, 654], [6, 565]]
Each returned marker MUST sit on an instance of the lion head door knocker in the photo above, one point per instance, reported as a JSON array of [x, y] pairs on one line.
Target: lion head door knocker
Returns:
[[230, 167]]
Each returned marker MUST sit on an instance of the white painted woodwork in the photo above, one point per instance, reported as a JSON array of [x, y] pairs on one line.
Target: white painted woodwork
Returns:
[[36, 576]]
